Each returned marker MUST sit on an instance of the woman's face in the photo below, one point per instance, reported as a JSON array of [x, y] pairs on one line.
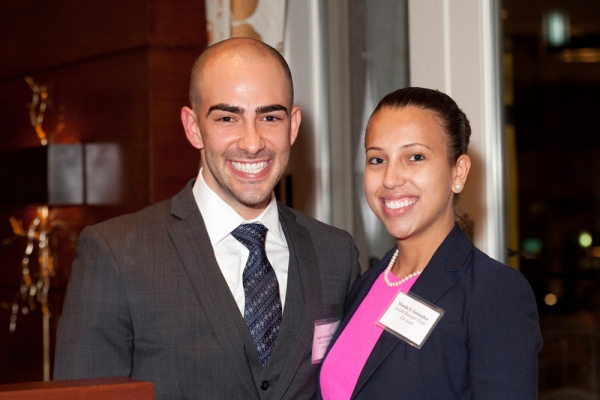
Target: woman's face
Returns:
[[408, 182]]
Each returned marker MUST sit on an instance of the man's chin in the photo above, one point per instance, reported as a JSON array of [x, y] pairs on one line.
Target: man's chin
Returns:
[[255, 202], [250, 195], [252, 198]]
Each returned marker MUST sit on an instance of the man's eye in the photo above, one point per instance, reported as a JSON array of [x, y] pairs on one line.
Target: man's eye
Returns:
[[271, 118], [226, 119], [417, 157], [376, 160]]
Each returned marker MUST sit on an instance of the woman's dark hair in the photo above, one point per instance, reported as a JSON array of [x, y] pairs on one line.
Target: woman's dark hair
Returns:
[[452, 119]]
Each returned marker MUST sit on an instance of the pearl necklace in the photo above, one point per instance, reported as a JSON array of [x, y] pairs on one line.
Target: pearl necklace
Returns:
[[401, 281]]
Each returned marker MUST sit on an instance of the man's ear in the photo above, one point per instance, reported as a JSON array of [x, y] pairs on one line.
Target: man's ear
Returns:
[[295, 119], [192, 129]]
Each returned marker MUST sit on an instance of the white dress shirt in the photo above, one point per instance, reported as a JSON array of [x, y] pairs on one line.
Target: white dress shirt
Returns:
[[220, 220]]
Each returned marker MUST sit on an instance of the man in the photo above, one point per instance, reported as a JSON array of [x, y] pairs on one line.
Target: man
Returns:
[[182, 293]]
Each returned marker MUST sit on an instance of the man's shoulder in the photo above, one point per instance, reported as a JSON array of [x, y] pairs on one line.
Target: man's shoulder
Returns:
[[152, 215], [323, 236], [162, 213], [314, 225]]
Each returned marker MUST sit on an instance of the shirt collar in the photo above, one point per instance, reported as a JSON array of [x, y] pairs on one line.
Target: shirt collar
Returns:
[[221, 219]]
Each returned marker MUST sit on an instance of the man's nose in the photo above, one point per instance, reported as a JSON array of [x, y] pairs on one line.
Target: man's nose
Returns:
[[251, 140]]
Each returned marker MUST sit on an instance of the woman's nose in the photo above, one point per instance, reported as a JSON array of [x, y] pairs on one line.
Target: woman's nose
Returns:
[[394, 176]]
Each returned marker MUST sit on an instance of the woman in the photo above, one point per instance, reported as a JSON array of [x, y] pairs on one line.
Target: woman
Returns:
[[486, 342]]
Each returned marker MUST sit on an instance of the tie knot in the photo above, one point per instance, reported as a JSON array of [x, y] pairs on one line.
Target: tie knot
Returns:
[[251, 235]]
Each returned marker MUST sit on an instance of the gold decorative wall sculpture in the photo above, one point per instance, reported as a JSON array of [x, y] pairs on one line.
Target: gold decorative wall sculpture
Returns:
[[37, 108]]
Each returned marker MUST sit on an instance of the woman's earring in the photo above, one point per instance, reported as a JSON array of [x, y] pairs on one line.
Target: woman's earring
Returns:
[[457, 187]]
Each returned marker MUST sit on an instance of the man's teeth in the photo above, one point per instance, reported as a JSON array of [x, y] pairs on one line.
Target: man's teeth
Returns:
[[251, 168], [396, 204]]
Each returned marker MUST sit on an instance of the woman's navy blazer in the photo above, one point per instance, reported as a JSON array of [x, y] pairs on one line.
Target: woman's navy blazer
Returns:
[[484, 347]]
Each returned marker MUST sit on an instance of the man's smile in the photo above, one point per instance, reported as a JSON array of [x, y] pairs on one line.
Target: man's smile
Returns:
[[250, 168]]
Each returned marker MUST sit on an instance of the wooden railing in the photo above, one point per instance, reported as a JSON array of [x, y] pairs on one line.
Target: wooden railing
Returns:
[[115, 388]]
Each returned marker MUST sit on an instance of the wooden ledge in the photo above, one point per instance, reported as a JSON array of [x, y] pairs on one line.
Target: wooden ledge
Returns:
[[112, 388]]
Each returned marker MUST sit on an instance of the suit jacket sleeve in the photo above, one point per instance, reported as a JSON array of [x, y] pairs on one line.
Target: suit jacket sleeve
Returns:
[[505, 338], [95, 334]]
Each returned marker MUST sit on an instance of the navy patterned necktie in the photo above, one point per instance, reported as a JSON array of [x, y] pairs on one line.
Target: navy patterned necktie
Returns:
[[262, 309]]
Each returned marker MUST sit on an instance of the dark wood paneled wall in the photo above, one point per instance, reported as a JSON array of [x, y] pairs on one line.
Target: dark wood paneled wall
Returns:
[[117, 72]]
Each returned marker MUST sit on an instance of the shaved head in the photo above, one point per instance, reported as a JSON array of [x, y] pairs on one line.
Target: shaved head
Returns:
[[243, 121], [240, 49]]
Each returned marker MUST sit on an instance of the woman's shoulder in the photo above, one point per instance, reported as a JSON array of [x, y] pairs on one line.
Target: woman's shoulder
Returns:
[[491, 279], [484, 265]]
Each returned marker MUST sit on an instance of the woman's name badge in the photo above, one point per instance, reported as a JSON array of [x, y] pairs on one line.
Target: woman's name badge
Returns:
[[410, 318], [324, 331]]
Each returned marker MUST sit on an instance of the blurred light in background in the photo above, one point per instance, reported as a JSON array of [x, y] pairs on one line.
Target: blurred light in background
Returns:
[[557, 30], [594, 251], [550, 299], [532, 246], [585, 239]]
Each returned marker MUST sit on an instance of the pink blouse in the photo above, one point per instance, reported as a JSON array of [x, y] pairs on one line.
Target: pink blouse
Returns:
[[347, 357]]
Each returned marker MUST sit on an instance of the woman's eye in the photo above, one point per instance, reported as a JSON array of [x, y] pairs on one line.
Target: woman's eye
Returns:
[[417, 157], [376, 160]]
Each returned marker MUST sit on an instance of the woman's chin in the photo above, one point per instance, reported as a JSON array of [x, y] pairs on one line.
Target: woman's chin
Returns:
[[399, 231]]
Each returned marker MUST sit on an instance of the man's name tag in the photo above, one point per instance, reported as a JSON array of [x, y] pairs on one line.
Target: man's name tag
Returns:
[[410, 318], [324, 331]]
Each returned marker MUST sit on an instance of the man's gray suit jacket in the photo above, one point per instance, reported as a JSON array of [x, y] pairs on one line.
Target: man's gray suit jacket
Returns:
[[147, 299]]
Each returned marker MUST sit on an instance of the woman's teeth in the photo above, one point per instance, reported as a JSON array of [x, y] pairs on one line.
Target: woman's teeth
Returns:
[[396, 204]]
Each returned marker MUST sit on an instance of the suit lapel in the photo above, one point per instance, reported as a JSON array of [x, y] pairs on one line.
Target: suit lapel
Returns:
[[302, 249], [191, 240], [431, 286]]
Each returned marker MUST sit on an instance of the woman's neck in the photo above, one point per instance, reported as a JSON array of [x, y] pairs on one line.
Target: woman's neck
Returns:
[[415, 252]]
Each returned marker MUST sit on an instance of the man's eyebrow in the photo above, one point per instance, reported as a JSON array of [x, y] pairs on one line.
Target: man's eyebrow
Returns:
[[270, 108], [227, 108]]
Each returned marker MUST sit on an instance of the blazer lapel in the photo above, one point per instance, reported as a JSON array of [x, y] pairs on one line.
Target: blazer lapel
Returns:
[[191, 240], [300, 244], [358, 293], [431, 285]]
